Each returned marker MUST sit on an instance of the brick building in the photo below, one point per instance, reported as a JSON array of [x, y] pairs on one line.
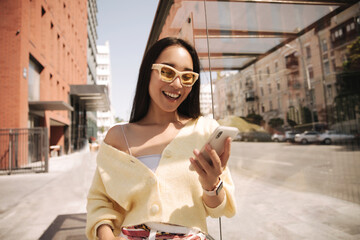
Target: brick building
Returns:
[[44, 68]]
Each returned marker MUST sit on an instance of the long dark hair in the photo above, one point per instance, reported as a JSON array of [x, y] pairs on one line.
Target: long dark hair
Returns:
[[190, 107]]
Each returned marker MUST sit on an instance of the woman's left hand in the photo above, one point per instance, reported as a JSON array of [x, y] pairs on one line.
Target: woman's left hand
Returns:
[[209, 174]]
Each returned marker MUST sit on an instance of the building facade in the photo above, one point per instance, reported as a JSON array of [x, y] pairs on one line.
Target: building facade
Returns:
[[206, 99], [297, 82], [289, 56], [91, 63], [105, 119], [43, 53], [44, 66]]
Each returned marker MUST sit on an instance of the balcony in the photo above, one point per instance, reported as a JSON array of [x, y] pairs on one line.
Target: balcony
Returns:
[[292, 61], [250, 96]]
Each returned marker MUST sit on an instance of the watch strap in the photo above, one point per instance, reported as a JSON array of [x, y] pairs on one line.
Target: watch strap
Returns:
[[216, 190]]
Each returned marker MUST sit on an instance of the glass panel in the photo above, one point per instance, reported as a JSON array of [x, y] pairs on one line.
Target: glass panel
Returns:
[[34, 80], [286, 75]]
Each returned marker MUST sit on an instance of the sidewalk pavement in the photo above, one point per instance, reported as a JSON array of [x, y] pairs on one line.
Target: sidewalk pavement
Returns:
[[29, 203], [52, 206], [267, 211]]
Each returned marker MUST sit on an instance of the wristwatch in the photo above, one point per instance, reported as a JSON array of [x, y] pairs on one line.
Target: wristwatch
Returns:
[[216, 190]]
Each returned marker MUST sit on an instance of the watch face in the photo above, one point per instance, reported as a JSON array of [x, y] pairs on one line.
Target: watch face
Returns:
[[219, 188]]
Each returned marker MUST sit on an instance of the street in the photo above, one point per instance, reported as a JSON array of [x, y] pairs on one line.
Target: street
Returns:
[[332, 170], [290, 191], [283, 191]]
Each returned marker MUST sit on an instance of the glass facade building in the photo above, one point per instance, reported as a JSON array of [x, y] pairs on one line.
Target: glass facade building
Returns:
[[285, 71]]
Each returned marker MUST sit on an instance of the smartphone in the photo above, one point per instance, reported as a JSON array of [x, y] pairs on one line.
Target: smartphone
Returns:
[[217, 140]]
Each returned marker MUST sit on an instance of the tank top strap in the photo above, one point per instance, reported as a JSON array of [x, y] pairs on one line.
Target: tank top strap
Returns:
[[127, 144]]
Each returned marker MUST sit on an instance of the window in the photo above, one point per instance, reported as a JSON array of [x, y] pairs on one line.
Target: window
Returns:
[[325, 56], [326, 67], [333, 63], [278, 85], [324, 44], [329, 91], [279, 103], [249, 82], [269, 87], [308, 52], [311, 73], [42, 11], [35, 69]]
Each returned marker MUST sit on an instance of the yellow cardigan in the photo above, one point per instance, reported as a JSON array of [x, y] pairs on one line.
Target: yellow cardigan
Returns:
[[125, 192]]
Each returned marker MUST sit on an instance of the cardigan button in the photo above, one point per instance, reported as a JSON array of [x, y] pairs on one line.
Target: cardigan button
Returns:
[[154, 209], [167, 153]]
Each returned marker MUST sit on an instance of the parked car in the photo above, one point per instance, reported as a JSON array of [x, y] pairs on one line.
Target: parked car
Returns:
[[278, 137], [290, 136], [307, 137], [331, 136], [256, 136]]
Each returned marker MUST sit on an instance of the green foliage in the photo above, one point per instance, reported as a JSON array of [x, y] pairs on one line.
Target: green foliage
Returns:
[[353, 62], [292, 123], [254, 118], [307, 115], [102, 129], [118, 120], [276, 122]]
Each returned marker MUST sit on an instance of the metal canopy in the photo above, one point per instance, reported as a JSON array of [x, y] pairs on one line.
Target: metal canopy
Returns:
[[233, 34], [49, 105], [94, 97]]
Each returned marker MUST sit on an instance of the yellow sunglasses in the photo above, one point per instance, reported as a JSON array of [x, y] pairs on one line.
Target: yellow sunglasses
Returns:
[[168, 74]]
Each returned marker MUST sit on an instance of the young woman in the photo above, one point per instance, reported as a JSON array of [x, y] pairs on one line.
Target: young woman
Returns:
[[151, 182]]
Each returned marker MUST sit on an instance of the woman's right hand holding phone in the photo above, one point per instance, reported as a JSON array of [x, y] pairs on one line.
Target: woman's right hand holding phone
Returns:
[[209, 174]]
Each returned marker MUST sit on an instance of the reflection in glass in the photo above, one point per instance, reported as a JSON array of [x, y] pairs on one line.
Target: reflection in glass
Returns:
[[282, 71]]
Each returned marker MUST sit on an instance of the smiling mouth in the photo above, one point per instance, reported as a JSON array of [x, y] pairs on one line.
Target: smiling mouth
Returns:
[[171, 95]]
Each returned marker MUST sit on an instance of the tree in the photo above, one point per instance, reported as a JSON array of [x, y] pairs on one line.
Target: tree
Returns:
[[118, 120], [353, 62], [276, 122], [291, 122], [306, 115], [347, 101], [254, 118]]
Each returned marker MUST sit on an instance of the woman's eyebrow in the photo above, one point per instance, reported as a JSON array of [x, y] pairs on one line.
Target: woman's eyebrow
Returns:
[[172, 65]]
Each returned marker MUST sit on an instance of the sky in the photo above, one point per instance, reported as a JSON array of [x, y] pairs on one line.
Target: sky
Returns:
[[126, 25]]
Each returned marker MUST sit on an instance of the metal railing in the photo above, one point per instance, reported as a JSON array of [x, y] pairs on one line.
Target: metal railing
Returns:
[[24, 150]]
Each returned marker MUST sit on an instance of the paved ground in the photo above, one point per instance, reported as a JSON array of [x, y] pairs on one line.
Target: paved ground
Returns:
[[29, 203], [52, 206]]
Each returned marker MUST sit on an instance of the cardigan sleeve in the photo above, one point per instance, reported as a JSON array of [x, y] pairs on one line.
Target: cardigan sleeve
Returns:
[[228, 206], [101, 209]]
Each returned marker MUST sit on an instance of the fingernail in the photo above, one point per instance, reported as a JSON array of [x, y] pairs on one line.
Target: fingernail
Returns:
[[196, 152]]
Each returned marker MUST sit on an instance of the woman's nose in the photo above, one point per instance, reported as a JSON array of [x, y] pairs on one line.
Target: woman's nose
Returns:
[[176, 83]]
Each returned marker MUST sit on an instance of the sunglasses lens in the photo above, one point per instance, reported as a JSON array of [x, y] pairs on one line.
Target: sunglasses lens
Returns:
[[187, 78], [167, 74]]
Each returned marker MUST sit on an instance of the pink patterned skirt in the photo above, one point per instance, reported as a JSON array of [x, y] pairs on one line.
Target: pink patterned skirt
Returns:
[[164, 232]]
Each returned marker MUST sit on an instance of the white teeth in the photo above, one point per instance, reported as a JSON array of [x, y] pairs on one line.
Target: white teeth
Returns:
[[172, 95]]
